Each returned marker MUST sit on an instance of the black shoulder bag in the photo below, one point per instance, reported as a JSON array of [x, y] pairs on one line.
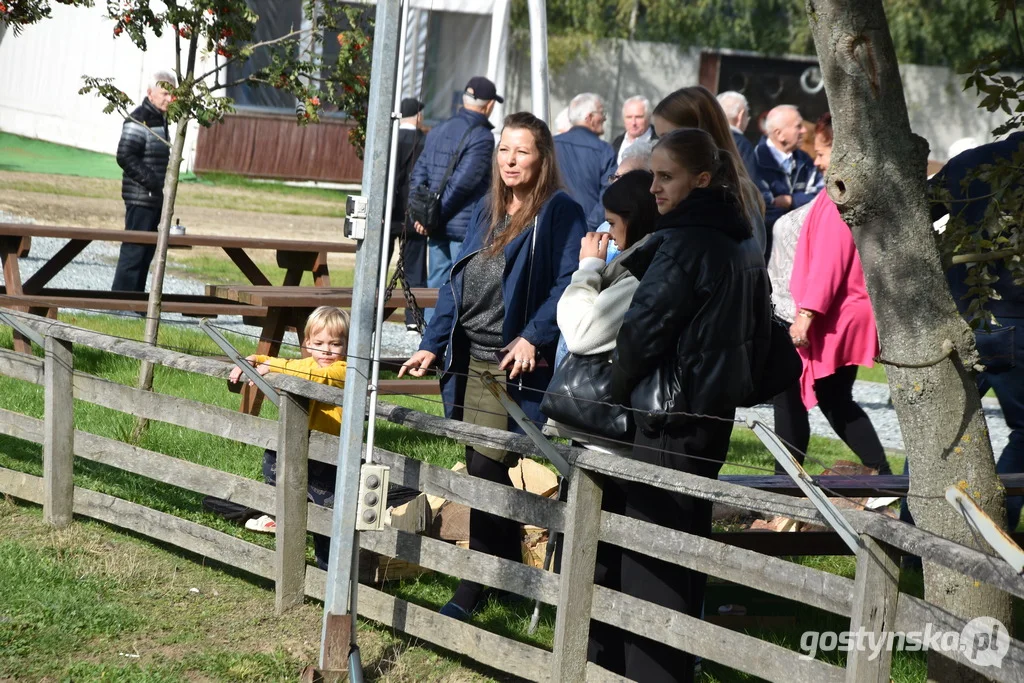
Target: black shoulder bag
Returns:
[[425, 204]]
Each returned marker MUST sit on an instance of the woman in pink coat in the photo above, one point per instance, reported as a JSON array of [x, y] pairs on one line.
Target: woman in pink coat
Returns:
[[834, 330]]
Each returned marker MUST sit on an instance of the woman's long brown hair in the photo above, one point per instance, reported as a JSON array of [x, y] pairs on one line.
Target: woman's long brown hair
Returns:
[[546, 184], [696, 107]]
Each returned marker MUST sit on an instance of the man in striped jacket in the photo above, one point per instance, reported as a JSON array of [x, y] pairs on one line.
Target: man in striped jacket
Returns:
[[142, 154]]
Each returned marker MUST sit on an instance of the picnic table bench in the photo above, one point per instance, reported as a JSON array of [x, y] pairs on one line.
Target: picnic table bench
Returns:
[[289, 306], [295, 256], [827, 542]]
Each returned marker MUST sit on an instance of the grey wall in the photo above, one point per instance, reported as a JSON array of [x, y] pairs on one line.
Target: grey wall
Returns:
[[615, 70], [939, 109]]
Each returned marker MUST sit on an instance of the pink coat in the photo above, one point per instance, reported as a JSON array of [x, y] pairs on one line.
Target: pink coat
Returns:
[[828, 279]]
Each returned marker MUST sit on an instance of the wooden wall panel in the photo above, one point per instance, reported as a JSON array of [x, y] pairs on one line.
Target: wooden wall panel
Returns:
[[274, 146]]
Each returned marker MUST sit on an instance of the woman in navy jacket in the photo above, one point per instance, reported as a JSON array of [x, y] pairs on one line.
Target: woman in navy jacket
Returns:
[[497, 314]]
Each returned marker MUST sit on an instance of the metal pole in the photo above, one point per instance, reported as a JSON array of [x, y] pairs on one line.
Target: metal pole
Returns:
[[245, 366], [539, 58], [344, 539], [813, 492], [382, 283]]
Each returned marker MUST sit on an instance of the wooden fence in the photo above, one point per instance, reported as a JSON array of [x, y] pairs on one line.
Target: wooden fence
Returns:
[[871, 601]]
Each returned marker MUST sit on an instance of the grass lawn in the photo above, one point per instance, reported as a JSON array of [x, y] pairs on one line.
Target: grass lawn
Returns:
[[218, 271], [876, 373], [113, 593], [42, 165], [90, 603]]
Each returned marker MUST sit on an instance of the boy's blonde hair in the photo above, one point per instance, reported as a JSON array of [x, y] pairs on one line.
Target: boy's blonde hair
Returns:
[[332, 320]]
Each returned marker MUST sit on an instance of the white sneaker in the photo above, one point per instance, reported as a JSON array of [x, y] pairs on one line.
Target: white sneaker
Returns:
[[264, 524]]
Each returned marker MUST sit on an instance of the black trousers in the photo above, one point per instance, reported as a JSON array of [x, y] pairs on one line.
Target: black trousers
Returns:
[[851, 423], [488, 533], [414, 258], [320, 491], [647, 578], [321, 481], [134, 260]]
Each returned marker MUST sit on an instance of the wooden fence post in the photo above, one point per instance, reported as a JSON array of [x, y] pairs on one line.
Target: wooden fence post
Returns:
[[576, 583], [58, 433], [292, 489], [876, 591]]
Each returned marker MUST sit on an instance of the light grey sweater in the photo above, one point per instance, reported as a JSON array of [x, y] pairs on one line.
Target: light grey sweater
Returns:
[[591, 310]]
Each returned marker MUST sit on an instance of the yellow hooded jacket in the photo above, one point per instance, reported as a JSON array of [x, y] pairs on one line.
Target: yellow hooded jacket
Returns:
[[323, 417]]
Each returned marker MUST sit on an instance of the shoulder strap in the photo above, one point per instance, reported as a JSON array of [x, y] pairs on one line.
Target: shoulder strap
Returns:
[[529, 276], [455, 158]]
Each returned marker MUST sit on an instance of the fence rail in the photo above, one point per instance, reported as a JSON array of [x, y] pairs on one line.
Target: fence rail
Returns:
[[871, 600]]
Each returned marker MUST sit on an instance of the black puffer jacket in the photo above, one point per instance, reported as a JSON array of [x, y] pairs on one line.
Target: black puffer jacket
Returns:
[[696, 334], [143, 156]]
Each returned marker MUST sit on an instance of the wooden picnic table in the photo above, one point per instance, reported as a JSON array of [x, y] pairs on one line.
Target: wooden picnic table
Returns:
[[289, 306], [295, 256]]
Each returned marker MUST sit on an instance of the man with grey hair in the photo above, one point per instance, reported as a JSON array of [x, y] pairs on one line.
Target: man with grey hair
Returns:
[[636, 117], [466, 138], [142, 153], [585, 160], [786, 174], [737, 112]]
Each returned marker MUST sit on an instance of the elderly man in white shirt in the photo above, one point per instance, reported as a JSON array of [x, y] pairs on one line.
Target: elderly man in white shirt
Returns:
[[636, 117]]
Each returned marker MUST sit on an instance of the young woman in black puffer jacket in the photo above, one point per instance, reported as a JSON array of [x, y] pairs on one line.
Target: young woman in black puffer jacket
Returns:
[[690, 350]]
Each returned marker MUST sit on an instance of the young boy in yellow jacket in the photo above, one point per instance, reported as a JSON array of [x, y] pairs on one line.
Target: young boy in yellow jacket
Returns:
[[326, 340]]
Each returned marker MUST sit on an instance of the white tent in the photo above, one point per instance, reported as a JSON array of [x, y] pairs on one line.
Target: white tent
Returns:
[[448, 41]]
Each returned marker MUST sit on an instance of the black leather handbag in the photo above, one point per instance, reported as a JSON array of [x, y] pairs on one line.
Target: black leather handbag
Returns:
[[424, 205], [782, 367], [579, 396]]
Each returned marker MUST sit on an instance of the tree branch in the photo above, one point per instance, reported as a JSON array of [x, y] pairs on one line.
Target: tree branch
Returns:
[[265, 43], [240, 81], [1016, 30], [947, 349], [987, 256]]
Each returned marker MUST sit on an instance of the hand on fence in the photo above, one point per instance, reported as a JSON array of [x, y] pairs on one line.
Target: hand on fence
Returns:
[[236, 372], [418, 364]]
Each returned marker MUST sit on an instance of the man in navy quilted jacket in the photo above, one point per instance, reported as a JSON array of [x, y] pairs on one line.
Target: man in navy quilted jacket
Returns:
[[142, 153], [585, 160], [470, 178]]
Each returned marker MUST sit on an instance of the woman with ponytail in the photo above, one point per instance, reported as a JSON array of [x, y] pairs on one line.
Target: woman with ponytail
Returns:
[[690, 350], [696, 107]]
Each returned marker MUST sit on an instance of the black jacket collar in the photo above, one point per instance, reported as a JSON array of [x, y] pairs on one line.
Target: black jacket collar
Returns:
[[148, 114], [715, 208]]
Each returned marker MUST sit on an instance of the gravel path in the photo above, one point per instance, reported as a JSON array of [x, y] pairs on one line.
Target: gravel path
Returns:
[[94, 269]]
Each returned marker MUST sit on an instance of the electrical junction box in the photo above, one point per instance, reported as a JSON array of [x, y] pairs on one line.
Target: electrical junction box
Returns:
[[373, 495]]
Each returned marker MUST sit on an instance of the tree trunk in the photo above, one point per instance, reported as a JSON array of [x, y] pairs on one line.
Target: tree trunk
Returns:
[[156, 291], [878, 180]]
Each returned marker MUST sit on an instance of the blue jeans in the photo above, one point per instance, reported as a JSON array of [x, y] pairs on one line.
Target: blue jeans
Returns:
[[442, 253], [1002, 354], [321, 492], [135, 259]]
